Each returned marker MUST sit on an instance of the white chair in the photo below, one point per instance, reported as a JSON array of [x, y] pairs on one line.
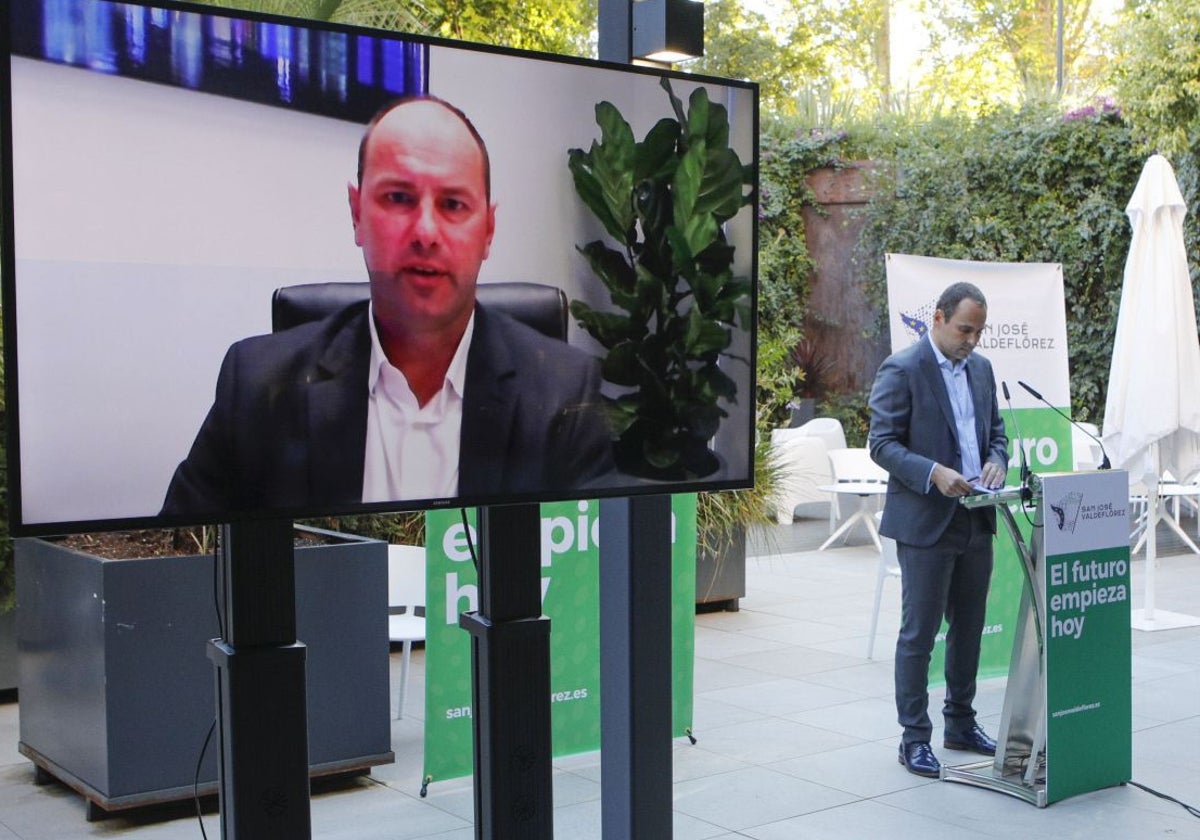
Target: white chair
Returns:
[[855, 464], [889, 566], [1172, 494], [865, 479], [804, 465], [828, 429], [1184, 496], [1139, 499], [406, 606]]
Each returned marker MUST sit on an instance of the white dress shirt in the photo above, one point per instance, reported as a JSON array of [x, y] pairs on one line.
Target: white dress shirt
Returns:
[[954, 374], [412, 450]]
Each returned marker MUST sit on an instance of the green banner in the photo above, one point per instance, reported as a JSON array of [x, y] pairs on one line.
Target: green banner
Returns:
[[570, 598], [1089, 715]]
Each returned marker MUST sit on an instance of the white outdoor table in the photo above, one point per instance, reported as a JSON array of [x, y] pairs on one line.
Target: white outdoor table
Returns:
[[863, 491]]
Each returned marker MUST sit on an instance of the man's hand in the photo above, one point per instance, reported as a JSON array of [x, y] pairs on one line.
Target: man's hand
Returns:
[[993, 475], [949, 482]]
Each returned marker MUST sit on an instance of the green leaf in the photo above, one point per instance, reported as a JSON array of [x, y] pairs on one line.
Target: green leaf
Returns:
[[609, 328], [622, 414], [655, 159], [621, 366], [685, 186], [703, 422], [716, 133], [652, 291], [720, 192], [681, 252], [604, 174], [588, 187], [698, 114], [676, 104], [705, 336], [612, 268], [718, 383], [699, 232]]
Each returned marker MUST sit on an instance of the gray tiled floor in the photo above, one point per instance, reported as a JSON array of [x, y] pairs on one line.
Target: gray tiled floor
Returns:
[[796, 736]]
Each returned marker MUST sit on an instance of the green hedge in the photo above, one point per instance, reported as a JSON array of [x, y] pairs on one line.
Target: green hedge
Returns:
[[1029, 185]]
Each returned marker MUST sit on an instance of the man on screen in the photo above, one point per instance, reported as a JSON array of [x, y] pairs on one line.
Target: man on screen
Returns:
[[420, 394]]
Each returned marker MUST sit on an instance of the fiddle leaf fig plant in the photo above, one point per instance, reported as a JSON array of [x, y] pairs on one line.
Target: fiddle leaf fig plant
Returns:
[[664, 201]]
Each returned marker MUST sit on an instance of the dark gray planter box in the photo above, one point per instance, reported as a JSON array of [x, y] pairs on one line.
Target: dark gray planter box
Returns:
[[117, 692], [8, 651], [721, 577]]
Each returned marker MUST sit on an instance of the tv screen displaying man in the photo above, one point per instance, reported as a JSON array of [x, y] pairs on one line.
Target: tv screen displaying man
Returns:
[[420, 393]]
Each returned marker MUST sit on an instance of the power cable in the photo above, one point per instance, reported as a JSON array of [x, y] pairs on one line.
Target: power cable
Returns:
[[470, 542], [1195, 812]]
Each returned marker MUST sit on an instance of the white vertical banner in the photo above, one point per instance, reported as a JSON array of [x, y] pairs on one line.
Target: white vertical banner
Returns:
[[1026, 334], [1026, 340]]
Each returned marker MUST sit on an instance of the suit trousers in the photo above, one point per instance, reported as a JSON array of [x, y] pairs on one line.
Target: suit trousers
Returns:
[[948, 579]]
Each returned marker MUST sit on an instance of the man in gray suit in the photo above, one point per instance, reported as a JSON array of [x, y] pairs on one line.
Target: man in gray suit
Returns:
[[936, 429]]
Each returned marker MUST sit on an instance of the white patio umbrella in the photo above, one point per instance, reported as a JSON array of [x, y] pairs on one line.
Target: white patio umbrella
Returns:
[[1152, 415]]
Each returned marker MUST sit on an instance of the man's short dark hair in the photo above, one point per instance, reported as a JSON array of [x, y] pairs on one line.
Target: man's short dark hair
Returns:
[[955, 294], [426, 97]]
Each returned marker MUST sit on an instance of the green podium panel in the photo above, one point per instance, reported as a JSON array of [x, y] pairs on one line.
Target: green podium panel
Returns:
[[1069, 685]]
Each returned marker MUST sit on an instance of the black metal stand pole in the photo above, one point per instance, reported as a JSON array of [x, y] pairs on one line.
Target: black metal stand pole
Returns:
[[614, 19], [261, 702], [635, 616], [635, 668], [510, 688]]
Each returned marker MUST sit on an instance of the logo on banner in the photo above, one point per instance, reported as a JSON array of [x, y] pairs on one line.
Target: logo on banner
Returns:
[[1066, 511], [916, 323]]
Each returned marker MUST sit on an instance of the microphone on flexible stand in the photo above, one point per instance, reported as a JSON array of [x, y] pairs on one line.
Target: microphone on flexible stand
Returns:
[[1104, 462], [1026, 491]]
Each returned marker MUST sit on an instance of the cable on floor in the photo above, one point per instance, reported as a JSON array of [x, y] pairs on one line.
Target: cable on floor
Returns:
[[1195, 812]]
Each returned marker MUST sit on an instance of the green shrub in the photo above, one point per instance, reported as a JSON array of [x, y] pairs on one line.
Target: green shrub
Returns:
[[1022, 186]]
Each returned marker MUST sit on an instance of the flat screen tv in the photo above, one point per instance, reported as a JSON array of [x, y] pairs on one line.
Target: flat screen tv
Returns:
[[167, 168]]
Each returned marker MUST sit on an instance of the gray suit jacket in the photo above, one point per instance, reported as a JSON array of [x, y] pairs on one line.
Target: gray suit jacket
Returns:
[[912, 427], [287, 429]]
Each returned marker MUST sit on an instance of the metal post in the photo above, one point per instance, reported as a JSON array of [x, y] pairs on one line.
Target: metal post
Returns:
[[261, 691], [1058, 50], [635, 618], [635, 668], [615, 28], [510, 687]]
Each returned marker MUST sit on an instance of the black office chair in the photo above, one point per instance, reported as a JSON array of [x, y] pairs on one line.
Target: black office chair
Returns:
[[540, 306]]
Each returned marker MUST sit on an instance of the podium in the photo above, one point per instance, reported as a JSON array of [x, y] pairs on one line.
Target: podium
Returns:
[[1068, 696]]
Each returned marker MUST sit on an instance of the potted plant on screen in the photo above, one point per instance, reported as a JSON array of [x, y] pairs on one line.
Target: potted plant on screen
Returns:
[[664, 201]]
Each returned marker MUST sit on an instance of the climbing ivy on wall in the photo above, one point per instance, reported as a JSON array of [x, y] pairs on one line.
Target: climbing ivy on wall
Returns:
[[1026, 186]]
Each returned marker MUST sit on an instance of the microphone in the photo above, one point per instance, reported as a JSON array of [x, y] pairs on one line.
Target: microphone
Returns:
[[1026, 491], [1104, 462]]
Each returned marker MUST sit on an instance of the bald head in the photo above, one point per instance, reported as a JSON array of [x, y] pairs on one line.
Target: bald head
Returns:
[[425, 100]]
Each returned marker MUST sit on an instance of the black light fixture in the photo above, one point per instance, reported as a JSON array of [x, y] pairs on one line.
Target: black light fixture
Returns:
[[666, 31]]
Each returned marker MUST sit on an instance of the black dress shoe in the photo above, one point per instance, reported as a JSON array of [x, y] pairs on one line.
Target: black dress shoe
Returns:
[[918, 758], [974, 739]]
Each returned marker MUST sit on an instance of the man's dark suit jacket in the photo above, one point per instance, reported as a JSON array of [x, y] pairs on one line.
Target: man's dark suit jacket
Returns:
[[287, 429], [912, 426]]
